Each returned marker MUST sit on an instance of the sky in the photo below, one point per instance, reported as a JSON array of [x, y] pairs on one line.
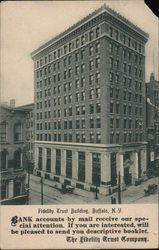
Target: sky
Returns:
[[25, 25]]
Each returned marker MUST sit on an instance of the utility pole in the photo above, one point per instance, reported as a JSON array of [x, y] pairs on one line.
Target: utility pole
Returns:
[[28, 185], [96, 197], [119, 190], [41, 190]]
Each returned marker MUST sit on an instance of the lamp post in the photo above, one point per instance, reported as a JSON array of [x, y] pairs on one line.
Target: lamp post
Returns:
[[119, 189], [41, 190]]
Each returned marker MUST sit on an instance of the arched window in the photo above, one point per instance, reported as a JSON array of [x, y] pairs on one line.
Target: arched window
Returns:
[[18, 132], [3, 157], [3, 131], [17, 159]]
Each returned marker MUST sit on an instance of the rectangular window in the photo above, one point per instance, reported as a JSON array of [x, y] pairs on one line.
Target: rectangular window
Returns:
[[91, 138], [91, 123], [82, 68], [77, 110], [83, 82], [70, 124], [111, 32], [97, 62], [77, 138], [91, 108], [98, 93], [98, 123], [17, 132], [111, 122], [83, 110], [91, 94], [90, 35], [91, 65], [3, 132], [83, 96], [98, 107], [77, 97], [77, 43], [82, 40], [97, 32], [97, 47], [111, 107], [98, 138], [77, 124]]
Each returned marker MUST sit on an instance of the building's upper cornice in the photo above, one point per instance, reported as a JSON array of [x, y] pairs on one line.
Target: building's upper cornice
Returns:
[[102, 9]]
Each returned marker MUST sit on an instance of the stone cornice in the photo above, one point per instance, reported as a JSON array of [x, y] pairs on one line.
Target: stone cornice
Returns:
[[89, 21]]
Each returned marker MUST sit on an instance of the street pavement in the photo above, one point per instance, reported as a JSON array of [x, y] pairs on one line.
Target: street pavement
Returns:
[[51, 195]]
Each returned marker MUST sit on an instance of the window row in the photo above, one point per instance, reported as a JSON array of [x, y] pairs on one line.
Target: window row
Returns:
[[126, 137], [126, 123], [126, 40], [4, 130], [67, 48], [68, 86], [15, 163], [126, 69], [93, 137]]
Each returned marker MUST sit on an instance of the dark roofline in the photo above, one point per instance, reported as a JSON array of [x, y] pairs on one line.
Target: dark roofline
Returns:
[[102, 8], [27, 107]]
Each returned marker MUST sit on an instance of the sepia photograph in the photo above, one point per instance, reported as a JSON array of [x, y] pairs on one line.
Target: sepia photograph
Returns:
[[79, 103], [79, 125]]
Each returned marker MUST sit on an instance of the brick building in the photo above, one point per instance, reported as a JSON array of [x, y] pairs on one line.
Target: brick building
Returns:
[[152, 121], [29, 133], [13, 154], [90, 103]]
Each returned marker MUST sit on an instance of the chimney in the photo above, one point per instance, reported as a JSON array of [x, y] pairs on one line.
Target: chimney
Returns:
[[12, 103]]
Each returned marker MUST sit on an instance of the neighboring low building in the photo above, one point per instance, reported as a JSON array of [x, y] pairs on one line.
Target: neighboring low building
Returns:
[[152, 121], [29, 134], [13, 154]]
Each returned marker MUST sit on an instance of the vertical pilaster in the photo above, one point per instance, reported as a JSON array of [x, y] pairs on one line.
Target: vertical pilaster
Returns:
[[105, 169], [105, 173], [143, 161], [63, 162], [134, 166], [88, 174], [44, 159], [74, 165], [120, 168]]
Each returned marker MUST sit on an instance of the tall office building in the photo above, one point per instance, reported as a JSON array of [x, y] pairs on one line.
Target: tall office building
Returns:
[[90, 103]]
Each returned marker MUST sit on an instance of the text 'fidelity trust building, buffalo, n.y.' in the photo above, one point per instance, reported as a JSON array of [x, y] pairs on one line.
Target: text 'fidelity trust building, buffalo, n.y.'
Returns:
[[90, 103]]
